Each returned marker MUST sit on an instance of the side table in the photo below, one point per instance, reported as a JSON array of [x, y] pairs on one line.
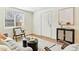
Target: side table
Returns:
[[33, 44]]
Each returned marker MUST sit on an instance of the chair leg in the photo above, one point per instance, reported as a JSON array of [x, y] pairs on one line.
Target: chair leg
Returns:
[[15, 38]]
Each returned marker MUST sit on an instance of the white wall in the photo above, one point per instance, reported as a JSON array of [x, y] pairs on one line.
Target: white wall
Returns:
[[28, 19], [76, 26], [37, 22], [28, 22], [2, 17]]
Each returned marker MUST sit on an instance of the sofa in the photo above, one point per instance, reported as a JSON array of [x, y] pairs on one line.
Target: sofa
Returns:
[[12, 46]]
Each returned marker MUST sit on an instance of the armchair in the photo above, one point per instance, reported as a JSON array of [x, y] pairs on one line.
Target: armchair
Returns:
[[18, 32]]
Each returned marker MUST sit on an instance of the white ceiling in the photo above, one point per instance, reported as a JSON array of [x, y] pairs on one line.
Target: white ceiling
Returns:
[[33, 9]]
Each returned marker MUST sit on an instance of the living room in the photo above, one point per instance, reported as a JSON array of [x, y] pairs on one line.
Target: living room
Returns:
[[41, 23]]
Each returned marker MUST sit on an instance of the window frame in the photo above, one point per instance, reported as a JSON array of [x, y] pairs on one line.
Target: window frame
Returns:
[[17, 12]]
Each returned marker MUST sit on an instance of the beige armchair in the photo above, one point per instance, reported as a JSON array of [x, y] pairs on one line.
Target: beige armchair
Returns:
[[18, 32]]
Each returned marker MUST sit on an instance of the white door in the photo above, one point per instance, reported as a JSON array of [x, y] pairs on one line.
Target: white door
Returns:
[[46, 24]]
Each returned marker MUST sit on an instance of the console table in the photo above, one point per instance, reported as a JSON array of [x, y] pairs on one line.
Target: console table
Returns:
[[67, 35]]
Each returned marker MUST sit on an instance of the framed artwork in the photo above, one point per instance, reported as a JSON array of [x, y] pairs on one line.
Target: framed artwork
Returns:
[[66, 16]]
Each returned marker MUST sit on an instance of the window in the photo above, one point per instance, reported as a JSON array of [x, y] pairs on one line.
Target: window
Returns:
[[19, 19], [13, 17], [9, 19]]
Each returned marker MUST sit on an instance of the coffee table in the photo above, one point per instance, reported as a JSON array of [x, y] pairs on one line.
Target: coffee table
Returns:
[[33, 44]]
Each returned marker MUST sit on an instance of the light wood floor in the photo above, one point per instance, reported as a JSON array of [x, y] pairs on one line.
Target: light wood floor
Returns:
[[44, 37], [51, 40]]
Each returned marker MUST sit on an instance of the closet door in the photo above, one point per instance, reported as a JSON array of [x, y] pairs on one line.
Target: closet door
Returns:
[[46, 24]]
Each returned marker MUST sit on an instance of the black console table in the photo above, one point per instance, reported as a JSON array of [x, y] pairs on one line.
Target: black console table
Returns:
[[67, 35]]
